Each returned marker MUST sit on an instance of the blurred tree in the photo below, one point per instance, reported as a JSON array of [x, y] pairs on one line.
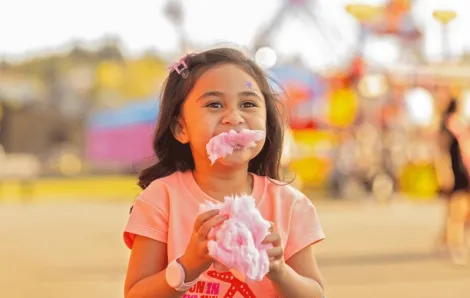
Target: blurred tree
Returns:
[[111, 49], [80, 54], [466, 57], [4, 65], [174, 11]]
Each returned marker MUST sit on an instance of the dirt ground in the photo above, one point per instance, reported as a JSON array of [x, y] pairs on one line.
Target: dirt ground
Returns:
[[75, 250]]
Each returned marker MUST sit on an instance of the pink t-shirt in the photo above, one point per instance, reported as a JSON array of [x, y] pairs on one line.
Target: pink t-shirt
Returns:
[[166, 211]]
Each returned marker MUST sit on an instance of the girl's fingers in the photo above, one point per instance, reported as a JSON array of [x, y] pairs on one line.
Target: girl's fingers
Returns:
[[273, 238], [275, 253], [209, 224], [203, 217]]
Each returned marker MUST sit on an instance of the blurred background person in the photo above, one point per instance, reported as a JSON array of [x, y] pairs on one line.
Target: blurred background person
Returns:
[[454, 179]]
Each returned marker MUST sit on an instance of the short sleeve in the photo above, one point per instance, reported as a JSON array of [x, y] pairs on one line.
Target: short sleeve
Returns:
[[304, 228], [149, 215]]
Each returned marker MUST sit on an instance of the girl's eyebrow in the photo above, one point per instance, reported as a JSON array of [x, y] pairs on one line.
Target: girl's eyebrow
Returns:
[[221, 94], [209, 94], [250, 93]]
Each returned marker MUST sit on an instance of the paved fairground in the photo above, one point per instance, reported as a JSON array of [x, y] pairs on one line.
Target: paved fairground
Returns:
[[74, 250]]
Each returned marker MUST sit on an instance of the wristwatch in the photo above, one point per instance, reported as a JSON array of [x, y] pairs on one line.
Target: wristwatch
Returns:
[[175, 277]]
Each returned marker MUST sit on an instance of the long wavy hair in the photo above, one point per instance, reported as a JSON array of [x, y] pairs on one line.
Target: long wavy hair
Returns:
[[172, 156]]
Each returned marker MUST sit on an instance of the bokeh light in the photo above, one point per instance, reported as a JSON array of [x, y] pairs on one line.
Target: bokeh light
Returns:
[[266, 57], [420, 106], [373, 85]]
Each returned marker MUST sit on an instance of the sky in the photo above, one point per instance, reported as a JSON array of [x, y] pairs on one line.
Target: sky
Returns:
[[31, 26]]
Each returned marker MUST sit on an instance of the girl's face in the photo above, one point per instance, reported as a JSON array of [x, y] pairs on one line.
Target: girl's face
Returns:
[[223, 98]]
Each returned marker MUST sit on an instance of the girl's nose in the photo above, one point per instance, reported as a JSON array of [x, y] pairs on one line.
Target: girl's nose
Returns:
[[233, 118]]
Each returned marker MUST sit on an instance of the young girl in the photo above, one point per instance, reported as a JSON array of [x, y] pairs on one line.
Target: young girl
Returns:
[[207, 94]]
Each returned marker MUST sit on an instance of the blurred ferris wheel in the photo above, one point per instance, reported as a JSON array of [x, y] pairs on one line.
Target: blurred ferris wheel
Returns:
[[310, 12], [391, 21], [390, 29], [289, 10]]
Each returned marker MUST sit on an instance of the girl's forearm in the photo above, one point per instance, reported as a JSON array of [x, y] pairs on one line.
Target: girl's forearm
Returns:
[[292, 285], [153, 286], [156, 285]]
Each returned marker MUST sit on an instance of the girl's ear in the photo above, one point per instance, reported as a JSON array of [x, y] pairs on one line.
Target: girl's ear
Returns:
[[179, 131]]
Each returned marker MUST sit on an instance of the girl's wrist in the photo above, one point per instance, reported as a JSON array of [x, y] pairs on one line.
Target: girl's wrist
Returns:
[[191, 270], [278, 274]]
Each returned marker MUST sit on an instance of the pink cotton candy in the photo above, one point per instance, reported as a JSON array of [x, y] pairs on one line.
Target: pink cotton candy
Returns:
[[224, 143], [237, 242]]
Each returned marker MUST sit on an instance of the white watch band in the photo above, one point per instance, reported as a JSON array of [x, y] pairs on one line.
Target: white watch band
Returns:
[[175, 268]]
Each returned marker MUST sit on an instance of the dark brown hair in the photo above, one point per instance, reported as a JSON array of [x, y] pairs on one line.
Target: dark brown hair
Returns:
[[173, 156]]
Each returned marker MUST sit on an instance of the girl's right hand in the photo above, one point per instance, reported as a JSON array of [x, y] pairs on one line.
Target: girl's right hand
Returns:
[[196, 259]]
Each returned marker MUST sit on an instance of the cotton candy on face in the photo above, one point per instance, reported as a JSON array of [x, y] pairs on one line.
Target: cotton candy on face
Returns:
[[226, 142]]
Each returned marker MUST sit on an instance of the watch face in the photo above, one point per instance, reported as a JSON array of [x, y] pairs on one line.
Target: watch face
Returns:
[[173, 275]]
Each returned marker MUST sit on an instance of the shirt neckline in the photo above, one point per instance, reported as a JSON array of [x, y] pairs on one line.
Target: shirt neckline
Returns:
[[194, 189]]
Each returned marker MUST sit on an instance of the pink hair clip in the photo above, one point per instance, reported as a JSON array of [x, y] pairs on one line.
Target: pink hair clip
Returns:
[[181, 68]]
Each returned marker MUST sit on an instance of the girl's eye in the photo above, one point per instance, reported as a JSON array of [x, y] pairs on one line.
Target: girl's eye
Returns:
[[215, 105], [248, 104]]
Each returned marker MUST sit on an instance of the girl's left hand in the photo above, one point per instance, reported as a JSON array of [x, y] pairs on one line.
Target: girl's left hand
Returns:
[[275, 254]]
